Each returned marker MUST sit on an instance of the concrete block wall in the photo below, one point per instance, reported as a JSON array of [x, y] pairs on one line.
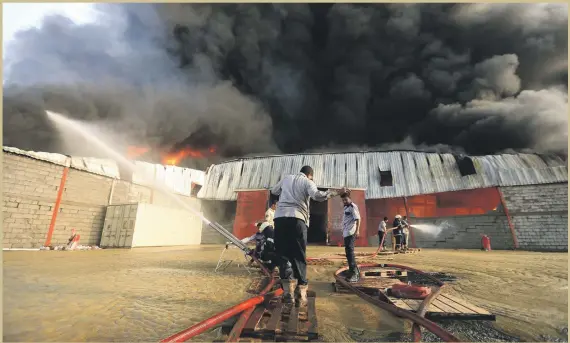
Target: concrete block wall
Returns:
[[30, 188], [464, 232], [29, 193], [128, 193], [83, 205], [540, 215]]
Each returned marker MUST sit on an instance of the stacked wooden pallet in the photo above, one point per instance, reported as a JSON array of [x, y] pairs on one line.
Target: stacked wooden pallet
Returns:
[[281, 322]]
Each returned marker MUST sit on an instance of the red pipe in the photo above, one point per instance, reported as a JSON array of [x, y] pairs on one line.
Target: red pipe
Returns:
[[56, 206], [240, 324], [429, 325], [250, 303], [204, 325]]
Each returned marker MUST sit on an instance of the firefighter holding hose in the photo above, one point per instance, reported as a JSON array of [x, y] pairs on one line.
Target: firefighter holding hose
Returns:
[[291, 224]]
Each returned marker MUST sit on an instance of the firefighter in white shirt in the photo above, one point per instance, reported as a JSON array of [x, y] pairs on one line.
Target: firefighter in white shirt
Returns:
[[291, 220], [270, 213]]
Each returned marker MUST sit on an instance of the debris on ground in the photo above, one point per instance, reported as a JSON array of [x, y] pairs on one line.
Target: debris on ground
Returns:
[[66, 248], [473, 331]]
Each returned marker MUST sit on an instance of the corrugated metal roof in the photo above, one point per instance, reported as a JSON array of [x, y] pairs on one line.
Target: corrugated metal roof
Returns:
[[175, 178], [412, 172]]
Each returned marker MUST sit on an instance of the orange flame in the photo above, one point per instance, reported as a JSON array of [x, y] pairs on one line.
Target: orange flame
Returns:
[[173, 159]]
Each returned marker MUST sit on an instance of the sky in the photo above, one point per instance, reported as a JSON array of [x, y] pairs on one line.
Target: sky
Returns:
[[22, 16]]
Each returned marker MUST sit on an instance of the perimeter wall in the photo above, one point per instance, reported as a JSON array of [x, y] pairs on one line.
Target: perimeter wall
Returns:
[[30, 190]]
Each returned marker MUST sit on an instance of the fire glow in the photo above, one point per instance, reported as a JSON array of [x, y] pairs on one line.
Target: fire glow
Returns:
[[172, 158]]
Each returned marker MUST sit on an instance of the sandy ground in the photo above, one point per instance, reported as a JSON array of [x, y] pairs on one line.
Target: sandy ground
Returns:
[[149, 294]]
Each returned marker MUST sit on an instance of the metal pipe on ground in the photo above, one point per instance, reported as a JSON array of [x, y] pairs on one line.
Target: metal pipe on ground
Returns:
[[216, 319]]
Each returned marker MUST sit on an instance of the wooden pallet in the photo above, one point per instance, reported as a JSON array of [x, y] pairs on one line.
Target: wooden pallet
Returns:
[[446, 306], [281, 322]]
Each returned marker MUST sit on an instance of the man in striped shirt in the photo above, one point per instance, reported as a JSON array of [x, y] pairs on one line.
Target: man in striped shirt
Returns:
[[350, 232], [291, 221]]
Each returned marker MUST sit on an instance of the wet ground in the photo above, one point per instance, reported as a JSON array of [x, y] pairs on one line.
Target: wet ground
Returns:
[[149, 294]]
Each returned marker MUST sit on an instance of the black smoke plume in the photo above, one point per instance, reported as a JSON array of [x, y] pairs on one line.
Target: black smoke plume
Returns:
[[265, 78]]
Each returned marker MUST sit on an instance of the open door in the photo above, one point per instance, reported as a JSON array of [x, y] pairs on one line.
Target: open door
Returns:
[[251, 207], [335, 214]]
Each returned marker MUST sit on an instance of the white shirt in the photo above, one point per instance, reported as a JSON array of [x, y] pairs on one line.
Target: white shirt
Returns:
[[295, 193], [382, 226], [349, 218], [269, 215]]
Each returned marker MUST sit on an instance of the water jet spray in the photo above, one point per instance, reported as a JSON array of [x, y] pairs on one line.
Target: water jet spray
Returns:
[[62, 123]]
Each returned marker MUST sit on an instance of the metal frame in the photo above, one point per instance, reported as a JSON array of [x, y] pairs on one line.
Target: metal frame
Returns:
[[224, 264]]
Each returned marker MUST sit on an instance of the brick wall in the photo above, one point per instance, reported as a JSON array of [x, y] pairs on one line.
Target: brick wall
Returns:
[[83, 205], [30, 188], [540, 215], [29, 194]]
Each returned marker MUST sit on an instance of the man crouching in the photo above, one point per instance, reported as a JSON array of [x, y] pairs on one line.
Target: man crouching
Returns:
[[350, 232]]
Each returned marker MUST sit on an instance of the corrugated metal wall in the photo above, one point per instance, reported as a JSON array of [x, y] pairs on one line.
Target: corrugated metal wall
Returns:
[[413, 173], [251, 206]]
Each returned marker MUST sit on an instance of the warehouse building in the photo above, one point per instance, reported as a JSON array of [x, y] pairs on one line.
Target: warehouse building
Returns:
[[519, 200]]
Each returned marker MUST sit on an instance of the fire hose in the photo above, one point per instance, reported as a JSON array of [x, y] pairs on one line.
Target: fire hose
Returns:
[[217, 319], [247, 307]]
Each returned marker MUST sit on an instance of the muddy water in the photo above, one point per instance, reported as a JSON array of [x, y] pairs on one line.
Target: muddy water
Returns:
[[148, 294]]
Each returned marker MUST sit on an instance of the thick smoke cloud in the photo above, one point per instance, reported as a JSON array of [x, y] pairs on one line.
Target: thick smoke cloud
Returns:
[[264, 78]]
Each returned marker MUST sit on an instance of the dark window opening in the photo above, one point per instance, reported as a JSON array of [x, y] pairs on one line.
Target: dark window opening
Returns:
[[318, 221], [194, 189], [386, 179], [465, 165]]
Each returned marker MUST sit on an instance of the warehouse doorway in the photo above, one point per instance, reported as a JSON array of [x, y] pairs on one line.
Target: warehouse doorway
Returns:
[[317, 234]]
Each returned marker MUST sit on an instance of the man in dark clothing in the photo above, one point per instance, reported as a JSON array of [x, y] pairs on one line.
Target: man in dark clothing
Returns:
[[350, 232], [291, 222], [398, 231], [267, 246]]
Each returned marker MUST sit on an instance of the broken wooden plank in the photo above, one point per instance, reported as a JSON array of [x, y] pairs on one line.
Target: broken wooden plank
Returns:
[[443, 305], [293, 322], [312, 329], [459, 316], [466, 304], [253, 320], [456, 305]]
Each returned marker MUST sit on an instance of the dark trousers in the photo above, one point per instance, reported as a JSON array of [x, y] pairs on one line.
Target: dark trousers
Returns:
[[291, 247], [349, 250], [382, 236]]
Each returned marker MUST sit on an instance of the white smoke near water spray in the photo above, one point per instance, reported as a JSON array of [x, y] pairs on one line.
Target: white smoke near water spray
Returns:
[[432, 229]]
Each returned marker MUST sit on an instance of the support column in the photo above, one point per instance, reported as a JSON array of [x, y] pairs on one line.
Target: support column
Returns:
[[56, 207], [410, 228], [511, 226]]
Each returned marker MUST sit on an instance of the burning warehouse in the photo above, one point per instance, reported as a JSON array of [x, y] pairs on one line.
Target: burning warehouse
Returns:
[[518, 200]]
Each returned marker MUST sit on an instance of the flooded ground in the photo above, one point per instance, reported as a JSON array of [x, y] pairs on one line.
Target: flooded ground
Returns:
[[149, 294]]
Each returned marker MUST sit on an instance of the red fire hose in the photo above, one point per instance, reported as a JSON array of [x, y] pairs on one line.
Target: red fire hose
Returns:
[[250, 303]]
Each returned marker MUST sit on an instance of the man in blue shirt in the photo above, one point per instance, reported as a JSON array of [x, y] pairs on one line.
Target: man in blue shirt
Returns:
[[350, 232]]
